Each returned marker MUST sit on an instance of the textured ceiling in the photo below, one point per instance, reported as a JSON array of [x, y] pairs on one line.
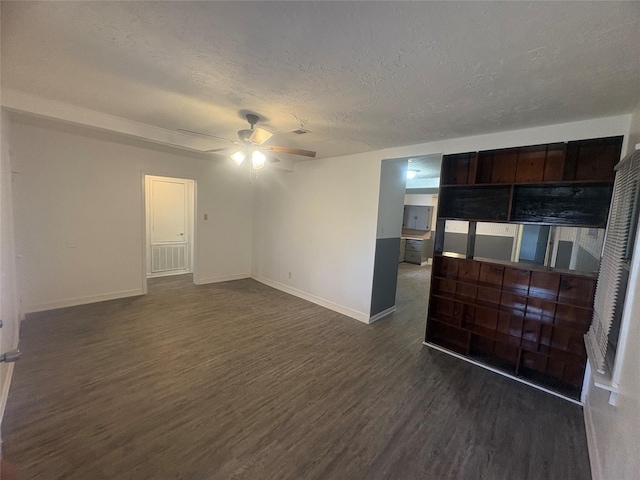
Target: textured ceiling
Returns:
[[359, 75], [427, 166]]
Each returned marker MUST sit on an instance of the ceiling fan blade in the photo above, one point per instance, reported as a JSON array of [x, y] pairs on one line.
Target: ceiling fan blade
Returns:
[[292, 151], [259, 136], [216, 150], [207, 135]]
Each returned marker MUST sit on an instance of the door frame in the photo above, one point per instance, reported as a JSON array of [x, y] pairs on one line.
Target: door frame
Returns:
[[143, 226]]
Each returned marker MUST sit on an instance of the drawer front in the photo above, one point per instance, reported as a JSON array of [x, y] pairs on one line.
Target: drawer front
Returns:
[[414, 245], [413, 257]]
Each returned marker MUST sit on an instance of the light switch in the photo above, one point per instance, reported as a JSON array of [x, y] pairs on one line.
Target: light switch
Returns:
[[206, 216]]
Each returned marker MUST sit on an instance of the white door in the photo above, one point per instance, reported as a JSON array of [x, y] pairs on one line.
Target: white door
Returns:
[[169, 213]]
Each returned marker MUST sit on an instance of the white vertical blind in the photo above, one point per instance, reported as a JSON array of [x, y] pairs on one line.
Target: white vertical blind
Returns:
[[616, 251]]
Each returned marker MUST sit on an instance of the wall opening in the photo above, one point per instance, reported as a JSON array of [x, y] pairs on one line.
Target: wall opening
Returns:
[[169, 213]]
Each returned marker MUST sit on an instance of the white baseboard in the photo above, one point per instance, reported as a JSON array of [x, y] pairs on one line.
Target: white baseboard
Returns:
[[72, 302], [500, 372], [225, 278], [592, 444], [349, 312], [168, 273], [382, 314]]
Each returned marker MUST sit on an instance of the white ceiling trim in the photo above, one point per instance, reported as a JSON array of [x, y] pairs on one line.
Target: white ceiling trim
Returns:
[[13, 100]]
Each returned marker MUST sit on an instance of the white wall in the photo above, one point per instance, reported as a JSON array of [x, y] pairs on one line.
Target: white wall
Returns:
[[423, 183], [9, 308], [319, 222], [420, 199], [78, 201], [393, 175], [634, 130], [614, 431]]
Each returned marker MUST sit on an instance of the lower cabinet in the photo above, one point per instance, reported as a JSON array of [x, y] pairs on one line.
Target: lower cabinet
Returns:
[[528, 322], [415, 251]]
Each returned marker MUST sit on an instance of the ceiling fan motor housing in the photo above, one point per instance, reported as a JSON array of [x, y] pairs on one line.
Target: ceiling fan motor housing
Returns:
[[252, 119], [244, 135]]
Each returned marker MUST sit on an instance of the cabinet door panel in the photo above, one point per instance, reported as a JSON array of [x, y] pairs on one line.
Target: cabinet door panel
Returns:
[[586, 205], [475, 203]]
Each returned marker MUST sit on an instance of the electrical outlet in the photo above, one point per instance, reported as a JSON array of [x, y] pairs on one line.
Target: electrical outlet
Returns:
[[206, 216]]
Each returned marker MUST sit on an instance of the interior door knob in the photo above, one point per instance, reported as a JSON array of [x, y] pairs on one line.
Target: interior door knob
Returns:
[[11, 356]]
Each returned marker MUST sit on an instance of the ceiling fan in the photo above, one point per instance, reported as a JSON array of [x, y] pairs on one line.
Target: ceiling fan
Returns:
[[252, 143]]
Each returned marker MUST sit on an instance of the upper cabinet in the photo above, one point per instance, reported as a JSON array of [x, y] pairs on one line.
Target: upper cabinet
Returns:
[[559, 183], [417, 217]]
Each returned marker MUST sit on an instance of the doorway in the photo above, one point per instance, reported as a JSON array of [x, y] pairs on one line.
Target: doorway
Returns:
[[533, 244], [407, 205], [418, 230], [169, 207]]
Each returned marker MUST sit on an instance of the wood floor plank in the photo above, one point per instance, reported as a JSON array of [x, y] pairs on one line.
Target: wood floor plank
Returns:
[[240, 381]]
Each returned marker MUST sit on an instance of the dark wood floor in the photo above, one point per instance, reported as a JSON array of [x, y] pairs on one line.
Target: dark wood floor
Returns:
[[239, 381]]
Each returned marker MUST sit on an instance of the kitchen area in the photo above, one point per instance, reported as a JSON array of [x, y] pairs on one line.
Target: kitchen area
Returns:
[[420, 209], [407, 207], [416, 242]]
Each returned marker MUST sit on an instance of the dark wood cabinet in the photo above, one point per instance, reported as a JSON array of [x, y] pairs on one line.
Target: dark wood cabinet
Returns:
[[572, 204], [555, 184], [475, 203], [525, 320]]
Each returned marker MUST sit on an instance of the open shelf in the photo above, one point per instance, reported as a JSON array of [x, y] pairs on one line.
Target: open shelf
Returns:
[[555, 184]]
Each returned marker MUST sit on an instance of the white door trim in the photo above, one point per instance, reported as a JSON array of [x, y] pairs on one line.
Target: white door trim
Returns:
[[193, 223]]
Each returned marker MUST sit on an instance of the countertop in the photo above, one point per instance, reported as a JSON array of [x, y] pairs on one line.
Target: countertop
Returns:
[[415, 234]]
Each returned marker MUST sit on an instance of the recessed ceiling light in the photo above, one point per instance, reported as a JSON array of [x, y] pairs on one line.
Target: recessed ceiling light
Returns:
[[411, 174]]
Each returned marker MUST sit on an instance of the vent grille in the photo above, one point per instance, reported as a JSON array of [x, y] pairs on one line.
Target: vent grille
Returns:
[[166, 258]]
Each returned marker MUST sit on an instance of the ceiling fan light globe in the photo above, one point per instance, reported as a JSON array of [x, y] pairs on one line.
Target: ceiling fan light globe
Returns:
[[238, 157], [258, 159]]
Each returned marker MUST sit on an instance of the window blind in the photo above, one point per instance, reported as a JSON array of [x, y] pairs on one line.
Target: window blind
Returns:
[[611, 283]]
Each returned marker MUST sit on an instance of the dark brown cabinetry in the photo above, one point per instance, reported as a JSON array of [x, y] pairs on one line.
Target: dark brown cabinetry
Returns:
[[526, 320], [556, 184]]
